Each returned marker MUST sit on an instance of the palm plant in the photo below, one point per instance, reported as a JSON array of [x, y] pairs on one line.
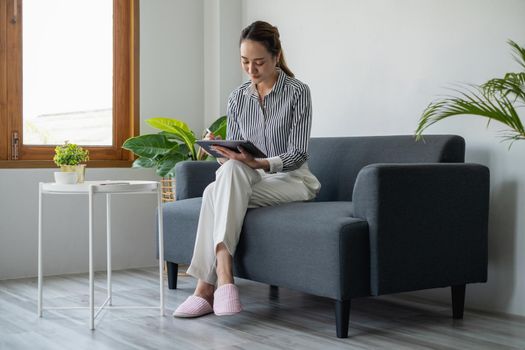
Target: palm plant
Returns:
[[498, 99], [174, 143]]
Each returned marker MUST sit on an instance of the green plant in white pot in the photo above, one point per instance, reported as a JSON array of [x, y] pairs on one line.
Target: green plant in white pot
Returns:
[[499, 99], [71, 158]]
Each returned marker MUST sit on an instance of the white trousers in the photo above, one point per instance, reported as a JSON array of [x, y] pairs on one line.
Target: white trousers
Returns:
[[236, 188]]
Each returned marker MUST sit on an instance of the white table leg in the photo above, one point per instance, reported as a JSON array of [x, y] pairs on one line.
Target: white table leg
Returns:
[[40, 277], [91, 273], [108, 232], [161, 247]]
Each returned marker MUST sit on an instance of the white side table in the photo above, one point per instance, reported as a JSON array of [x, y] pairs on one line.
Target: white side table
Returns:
[[93, 188]]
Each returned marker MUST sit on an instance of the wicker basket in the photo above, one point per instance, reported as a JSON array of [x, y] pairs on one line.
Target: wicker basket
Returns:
[[168, 189]]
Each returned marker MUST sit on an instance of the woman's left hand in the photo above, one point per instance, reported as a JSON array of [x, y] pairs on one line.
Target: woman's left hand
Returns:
[[243, 156]]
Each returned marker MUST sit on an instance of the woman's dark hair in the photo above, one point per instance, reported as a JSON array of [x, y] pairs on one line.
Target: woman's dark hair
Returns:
[[267, 35]]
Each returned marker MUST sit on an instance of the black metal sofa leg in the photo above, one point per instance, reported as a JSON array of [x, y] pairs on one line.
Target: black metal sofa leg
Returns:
[[342, 317], [173, 270], [458, 301], [274, 292]]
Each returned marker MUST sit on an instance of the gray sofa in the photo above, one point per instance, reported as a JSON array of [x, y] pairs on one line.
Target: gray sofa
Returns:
[[393, 215]]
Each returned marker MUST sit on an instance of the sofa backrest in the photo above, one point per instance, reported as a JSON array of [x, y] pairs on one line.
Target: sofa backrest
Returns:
[[336, 161]]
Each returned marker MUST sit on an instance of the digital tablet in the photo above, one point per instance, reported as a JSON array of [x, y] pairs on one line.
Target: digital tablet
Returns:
[[231, 144]]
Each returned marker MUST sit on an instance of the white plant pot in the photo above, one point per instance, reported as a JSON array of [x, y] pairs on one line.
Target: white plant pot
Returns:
[[65, 177]]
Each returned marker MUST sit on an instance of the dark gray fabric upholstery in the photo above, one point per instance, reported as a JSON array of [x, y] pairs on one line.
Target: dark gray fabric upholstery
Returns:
[[180, 225], [414, 222], [192, 177], [305, 246], [336, 161], [308, 237], [428, 224]]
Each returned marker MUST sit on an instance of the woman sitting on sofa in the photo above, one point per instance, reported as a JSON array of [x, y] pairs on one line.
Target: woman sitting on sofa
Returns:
[[273, 111]]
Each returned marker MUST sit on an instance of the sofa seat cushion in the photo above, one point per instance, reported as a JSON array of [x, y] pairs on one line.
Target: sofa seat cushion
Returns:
[[309, 236], [311, 246]]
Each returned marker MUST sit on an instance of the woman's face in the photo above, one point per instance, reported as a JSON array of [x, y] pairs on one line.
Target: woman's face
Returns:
[[257, 62]]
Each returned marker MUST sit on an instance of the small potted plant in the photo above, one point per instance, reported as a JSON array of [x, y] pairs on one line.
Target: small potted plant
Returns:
[[71, 158]]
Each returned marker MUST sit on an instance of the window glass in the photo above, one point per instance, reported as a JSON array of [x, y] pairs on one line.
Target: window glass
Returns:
[[67, 72]]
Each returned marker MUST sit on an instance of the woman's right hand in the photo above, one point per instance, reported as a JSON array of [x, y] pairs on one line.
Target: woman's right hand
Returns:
[[210, 136]]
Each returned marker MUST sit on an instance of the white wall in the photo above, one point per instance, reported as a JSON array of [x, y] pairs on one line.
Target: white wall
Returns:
[[222, 26], [373, 66], [171, 62]]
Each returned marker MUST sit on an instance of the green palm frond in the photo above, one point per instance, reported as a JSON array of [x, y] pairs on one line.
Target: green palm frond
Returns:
[[497, 100], [519, 53], [511, 85], [474, 102]]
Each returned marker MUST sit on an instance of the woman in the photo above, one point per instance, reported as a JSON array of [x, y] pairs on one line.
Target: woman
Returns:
[[273, 111]]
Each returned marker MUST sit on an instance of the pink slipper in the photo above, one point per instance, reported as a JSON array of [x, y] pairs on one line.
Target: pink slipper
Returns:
[[226, 300], [194, 306]]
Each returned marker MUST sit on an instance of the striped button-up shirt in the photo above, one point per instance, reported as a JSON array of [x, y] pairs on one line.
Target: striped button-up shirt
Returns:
[[279, 125]]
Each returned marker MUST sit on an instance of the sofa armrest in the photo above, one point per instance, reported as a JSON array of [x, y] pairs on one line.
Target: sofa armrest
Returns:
[[428, 224], [192, 177]]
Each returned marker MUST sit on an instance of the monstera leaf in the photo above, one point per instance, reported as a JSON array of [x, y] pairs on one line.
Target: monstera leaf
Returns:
[[178, 129], [149, 146], [174, 143]]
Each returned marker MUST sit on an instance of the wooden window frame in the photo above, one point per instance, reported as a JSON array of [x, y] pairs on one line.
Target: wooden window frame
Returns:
[[125, 90]]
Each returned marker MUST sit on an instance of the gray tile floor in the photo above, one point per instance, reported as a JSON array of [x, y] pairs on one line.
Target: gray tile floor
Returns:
[[293, 321]]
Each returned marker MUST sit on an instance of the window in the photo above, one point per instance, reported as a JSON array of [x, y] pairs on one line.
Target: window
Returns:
[[68, 71]]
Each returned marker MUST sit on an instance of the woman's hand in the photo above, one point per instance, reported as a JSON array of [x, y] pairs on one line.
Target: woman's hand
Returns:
[[209, 136], [244, 157]]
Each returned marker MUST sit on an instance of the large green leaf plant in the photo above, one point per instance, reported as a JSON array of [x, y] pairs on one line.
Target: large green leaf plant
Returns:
[[174, 143], [499, 99]]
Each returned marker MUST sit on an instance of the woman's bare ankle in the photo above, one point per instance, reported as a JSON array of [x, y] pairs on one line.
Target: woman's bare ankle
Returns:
[[224, 279], [205, 291], [224, 265]]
